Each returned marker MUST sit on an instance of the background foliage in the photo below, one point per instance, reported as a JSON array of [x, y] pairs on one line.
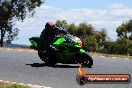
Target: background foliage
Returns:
[[12, 10], [99, 41], [93, 40]]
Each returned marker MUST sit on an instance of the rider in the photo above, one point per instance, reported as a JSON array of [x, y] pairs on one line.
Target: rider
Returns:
[[47, 37]]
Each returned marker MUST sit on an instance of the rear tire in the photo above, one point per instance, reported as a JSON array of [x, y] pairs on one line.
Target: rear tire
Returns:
[[85, 60], [44, 56]]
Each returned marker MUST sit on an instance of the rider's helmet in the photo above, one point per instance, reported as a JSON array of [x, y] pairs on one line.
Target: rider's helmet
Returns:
[[50, 25]]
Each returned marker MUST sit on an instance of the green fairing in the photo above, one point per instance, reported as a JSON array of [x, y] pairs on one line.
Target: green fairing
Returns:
[[59, 41], [65, 56], [82, 51], [75, 44], [34, 43], [78, 46], [68, 53]]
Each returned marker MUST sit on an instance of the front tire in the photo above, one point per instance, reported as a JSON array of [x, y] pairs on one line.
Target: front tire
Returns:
[[85, 60]]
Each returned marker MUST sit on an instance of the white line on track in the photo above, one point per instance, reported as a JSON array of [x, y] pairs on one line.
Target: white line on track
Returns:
[[114, 57], [102, 56], [126, 58], [30, 85]]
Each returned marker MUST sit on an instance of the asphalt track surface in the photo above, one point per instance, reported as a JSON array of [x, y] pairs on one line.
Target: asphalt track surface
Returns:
[[26, 67]]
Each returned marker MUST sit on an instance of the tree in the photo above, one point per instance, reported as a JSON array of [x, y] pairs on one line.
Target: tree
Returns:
[[125, 30], [90, 43], [62, 24], [130, 47], [15, 10], [130, 29], [122, 46], [109, 47], [11, 35], [72, 29], [101, 37], [58, 23], [85, 29], [124, 42]]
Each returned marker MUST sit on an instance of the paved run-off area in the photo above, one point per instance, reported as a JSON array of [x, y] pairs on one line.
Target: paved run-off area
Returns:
[[26, 67]]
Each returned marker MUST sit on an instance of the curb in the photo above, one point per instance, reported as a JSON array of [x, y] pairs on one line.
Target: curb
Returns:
[[30, 85], [114, 57]]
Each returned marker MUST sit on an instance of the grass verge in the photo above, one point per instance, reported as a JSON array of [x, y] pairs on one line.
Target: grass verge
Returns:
[[11, 85], [110, 55]]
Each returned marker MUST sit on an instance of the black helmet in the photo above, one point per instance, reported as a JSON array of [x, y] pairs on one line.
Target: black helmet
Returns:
[[50, 25]]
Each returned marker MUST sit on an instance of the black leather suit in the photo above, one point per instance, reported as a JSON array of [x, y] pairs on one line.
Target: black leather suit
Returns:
[[47, 37]]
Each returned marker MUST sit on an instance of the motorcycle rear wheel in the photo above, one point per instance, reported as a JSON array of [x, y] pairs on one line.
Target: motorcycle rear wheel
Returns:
[[44, 56]]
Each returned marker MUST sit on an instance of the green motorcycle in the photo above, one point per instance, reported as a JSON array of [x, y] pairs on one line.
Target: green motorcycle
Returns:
[[71, 51]]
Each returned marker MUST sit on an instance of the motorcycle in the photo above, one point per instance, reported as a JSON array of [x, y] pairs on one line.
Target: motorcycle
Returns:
[[70, 51]]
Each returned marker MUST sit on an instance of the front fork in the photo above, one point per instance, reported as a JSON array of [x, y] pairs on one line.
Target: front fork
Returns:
[[82, 51], [77, 56]]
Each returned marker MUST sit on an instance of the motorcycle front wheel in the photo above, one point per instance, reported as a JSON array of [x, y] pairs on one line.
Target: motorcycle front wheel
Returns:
[[85, 60]]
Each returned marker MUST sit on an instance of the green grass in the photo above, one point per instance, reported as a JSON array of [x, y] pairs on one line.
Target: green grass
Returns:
[[10, 85]]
